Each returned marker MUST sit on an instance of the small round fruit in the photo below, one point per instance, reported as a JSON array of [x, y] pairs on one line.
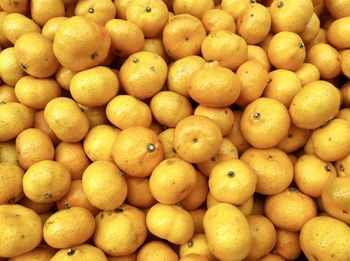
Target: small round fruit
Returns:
[[315, 104], [197, 139], [46, 181], [69, 227], [170, 222], [11, 183], [156, 250], [290, 209], [232, 181], [104, 185], [172, 180], [137, 151], [265, 117], [81, 252], [21, 230], [121, 231], [236, 242]]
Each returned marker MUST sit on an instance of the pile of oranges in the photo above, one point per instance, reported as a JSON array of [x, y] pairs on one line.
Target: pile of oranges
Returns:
[[165, 130]]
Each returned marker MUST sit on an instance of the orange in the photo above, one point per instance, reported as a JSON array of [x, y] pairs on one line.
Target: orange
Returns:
[[143, 74], [345, 63], [104, 185], [21, 230], [195, 8], [344, 114], [263, 235], [8, 153], [93, 48], [329, 64], [197, 139], [232, 181], [50, 27], [254, 23], [139, 193], [36, 93], [16, 25], [198, 195], [338, 8], [156, 251], [81, 252], [155, 45], [235, 242], [335, 194], [43, 184], [312, 184], [325, 237], [183, 36], [311, 29], [258, 54], [307, 73], [316, 103], [290, 16], [223, 117], [14, 117], [151, 16], [41, 252], [101, 11], [194, 257], [11, 185], [75, 197], [336, 30], [197, 216], [218, 20], [10, 71], [41, 11], [125, 111], [283, 86], [68, 227], [321, 37], [180, 73], [286, 51], [273, 168], [7, 94], [167, 139], [234, 7], [98, 143], [342, 166], [227, 151], [120, 6], [123, 33], [94, 87], [4, 42], [214, 86], [254, 78], [332, 141], [170, 222], [73, 157], [295, 139], [34, 54], [33, 145], [137, 151], [66, 119], [172, 180], [236, 135], [15, 7], [225, 47], [121, 231], [168, 108], [265, 117], [198, 245], [290, 209], [287, 244], [40, 123], [63, 76]]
